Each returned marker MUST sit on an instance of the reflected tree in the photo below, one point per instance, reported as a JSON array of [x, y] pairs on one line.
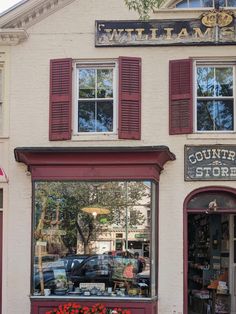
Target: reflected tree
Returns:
[[60, 218]]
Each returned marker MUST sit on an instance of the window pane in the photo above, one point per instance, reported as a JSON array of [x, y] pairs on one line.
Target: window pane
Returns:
[[76, 226], [215, 115], [224, 81], [194, 4], [205, 81], [104, 116], [86, 83], [207, 3], [221, 3], [105, 83], [231, 3], [86, 116], [182, 4]]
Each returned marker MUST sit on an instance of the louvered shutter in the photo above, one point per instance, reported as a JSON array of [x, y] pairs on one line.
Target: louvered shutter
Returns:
[[60, 99], [129, 98], [181, 97]]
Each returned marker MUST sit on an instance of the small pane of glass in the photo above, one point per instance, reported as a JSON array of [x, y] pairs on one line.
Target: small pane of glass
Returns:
[[231, 3], [104, 83], [104, 116], [221, 3], [207, 3], [87, 83], [182, 4], [194, 4], [86, 116], [94, 237], [205, 81], [224, 81], [215, 115]]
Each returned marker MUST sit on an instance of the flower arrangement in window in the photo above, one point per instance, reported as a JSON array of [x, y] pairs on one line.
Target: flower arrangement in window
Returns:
[[74, 308]]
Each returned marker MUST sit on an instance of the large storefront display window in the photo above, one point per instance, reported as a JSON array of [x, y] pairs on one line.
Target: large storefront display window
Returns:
[[94, 239]]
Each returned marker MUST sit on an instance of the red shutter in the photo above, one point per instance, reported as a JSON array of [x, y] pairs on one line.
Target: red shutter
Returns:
[[129, 98], [181, 97], [60, 99]]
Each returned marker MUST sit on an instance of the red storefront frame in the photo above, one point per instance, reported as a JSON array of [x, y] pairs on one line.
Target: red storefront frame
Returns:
[[96, 163]]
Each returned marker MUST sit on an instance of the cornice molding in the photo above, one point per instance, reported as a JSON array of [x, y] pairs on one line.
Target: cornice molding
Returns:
[[12, 37], [30, 13]]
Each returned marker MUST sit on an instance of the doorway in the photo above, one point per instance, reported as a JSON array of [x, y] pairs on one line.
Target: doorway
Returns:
[[210, 252]]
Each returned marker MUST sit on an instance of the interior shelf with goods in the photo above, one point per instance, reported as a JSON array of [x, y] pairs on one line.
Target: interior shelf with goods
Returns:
[[208, 262]]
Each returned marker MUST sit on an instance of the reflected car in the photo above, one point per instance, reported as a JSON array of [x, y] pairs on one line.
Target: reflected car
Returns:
[[65, 264]]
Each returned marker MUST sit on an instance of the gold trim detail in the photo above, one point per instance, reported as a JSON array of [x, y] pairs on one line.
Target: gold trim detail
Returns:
[[219, 18]]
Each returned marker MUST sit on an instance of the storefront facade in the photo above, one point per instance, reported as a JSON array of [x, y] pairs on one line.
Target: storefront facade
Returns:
[[121, 156]]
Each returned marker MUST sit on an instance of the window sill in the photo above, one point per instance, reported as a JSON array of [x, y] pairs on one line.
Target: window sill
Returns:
[[213, 136], [147, 299], [94, 137]]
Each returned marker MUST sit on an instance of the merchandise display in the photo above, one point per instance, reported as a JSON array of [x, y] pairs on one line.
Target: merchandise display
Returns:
[[208, 264]]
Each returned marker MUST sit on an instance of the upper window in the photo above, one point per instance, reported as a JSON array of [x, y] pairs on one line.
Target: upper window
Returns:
[[203, 104], [215, 98], [95, 110], [97, 107], [205, 4]]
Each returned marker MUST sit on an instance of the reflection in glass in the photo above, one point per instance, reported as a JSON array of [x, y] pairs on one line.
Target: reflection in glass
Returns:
[[86, 116], [86, 83], [215, 104], [96, 115], [104, 116], [215, 115], [231, 3], [105, 83], [94, 236]]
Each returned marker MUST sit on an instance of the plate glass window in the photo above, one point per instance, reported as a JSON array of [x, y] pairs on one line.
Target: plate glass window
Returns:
[[215, 98], [94, 238], [95, 99]]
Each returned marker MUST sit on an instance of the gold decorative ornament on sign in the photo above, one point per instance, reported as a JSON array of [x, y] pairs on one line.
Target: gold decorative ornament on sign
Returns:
[[219, 18]]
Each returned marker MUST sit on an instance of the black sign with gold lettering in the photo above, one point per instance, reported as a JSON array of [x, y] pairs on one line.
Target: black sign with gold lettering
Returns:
[[212, 28], [210, 162]]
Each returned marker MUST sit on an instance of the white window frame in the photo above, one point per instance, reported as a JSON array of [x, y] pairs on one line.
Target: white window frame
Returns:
[[200, 7], [94, 65], [213, 64]]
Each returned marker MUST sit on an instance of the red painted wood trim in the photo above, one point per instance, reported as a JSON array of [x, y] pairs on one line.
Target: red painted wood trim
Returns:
[[187, 211], [137, 307], [88, 165]]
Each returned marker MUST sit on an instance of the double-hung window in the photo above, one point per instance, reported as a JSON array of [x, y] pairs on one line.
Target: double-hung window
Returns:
[[202, 97], [96, 95], [214, 87], [101, 97]]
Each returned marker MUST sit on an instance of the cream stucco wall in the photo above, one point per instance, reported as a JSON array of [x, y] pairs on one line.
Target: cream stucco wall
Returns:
[[70, 33]]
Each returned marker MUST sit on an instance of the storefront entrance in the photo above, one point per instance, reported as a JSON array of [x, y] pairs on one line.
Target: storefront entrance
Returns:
[[210, 254]]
